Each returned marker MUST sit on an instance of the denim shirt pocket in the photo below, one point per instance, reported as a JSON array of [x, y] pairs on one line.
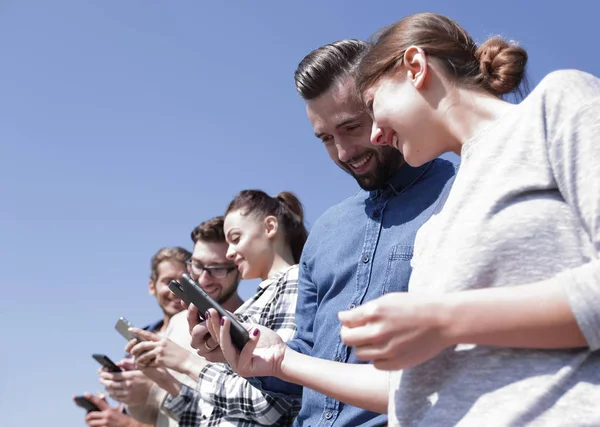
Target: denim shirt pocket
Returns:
[[398, 269]]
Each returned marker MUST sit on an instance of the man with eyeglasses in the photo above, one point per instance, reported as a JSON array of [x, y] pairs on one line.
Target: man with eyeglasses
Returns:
[[210, 267]]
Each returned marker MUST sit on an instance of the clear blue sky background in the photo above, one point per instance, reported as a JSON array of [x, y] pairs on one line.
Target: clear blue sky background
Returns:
[[123, 124]]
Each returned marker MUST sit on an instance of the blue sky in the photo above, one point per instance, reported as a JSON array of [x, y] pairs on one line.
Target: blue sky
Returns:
[[123, 124]]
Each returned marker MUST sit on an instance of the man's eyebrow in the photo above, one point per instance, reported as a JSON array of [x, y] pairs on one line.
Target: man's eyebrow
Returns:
[[339, 125], [212, 263], [346, 122]]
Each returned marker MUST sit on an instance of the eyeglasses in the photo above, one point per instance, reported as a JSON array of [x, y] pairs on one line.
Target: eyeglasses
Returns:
[[218, 272]]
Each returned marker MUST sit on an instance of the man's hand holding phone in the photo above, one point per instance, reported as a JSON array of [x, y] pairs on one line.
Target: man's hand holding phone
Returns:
[[157, 351], [130, 387], [106, 415], [108, 365]]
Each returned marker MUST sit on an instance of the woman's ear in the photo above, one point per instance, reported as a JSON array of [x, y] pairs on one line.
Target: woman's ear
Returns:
[[416, 65], [271, 226], [151, 287]]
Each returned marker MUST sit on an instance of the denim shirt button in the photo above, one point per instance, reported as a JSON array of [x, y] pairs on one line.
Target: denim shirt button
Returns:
[[328, 415], [351, 306], [365, 259]]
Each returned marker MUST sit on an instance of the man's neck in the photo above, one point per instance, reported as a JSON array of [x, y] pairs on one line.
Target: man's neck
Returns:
[[166, 320], [232, 303]]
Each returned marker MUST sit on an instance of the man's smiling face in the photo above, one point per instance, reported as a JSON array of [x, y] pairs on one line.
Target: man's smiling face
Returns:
[[340, 120]]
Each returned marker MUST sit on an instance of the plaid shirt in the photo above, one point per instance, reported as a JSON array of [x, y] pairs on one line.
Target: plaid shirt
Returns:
[[223, 398]]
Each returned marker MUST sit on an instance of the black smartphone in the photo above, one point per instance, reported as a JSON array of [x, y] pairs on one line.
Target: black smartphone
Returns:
[[88, 405], [108, 364], [178, 290], [189, 291]]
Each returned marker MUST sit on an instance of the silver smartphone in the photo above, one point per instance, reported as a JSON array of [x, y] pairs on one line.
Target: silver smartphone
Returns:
[[122, 326]]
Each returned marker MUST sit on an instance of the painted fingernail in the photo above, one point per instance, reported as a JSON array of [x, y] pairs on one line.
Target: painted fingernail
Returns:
[[207, 314], [255, 333], [222, 321]]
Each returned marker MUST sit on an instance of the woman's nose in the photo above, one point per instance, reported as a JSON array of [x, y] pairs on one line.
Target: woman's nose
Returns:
[[230, 254], [377, 137]]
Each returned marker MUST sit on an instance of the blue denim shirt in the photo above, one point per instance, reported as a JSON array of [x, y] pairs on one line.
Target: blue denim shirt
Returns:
[[357, 251]]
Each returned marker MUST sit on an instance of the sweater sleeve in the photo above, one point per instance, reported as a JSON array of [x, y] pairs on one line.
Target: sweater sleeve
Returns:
[[574, 154]]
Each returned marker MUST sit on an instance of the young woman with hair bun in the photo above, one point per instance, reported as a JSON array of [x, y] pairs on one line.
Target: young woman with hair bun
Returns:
[[265, 234], [501, 324]]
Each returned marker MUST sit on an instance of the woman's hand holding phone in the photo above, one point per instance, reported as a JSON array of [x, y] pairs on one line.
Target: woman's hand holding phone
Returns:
[[261, 356], [192, 293], [205, 345]]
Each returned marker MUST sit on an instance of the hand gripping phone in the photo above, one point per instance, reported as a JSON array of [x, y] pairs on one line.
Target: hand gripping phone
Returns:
[[108, 364], [189, 291], [82, 402]]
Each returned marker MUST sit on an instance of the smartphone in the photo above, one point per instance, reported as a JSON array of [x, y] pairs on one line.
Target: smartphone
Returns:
[[88, 405], [108, 364], [192, 293], [178, 290], [122, 326]]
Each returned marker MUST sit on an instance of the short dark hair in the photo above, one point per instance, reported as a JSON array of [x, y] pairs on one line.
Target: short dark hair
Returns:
[[324, 66], [176, 254], [210, 231]]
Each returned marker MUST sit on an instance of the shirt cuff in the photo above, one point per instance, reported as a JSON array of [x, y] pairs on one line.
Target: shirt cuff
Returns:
[[275, 387], [178, 405], [581, 287]]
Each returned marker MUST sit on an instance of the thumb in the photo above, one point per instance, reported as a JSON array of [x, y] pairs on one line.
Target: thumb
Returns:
[[358, 316], [245, 360], [99, 400], [193, 317], [144, 335]]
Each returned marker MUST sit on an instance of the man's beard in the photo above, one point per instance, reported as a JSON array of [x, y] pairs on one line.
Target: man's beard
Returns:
[[230, 291], [387, 162]]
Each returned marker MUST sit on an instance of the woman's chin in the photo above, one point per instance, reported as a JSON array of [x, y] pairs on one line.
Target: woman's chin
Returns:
[[247, 274], [414, 159]]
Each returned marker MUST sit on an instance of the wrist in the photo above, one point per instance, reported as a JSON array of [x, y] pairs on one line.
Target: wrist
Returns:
[[186, 366], [447, 315], [285, 369], [173, 387], [194, 365], [132, 422]]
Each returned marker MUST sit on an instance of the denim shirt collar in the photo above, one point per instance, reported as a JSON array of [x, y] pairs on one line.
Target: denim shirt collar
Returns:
[[403, 178], [154, 327]]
